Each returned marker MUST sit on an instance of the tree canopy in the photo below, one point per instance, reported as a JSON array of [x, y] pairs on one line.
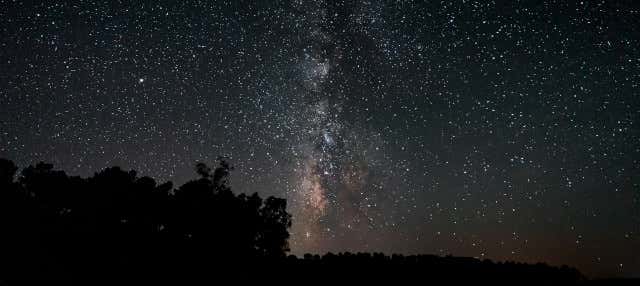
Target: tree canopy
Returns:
[[118, 220], [56, 228]]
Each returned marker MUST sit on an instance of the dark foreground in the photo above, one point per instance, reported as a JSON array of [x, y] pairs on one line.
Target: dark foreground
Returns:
[[180, 269], [117, 228], [330, 268]]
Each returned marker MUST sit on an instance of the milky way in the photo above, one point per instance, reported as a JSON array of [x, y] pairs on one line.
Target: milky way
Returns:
[[506, 131]]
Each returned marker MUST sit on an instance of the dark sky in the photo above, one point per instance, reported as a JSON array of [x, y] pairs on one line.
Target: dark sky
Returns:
[[506, 131]]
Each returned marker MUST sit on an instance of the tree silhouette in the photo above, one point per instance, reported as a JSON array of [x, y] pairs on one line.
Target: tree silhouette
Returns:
[[7, 171], [116, 221], [60, 229], [273, 237]]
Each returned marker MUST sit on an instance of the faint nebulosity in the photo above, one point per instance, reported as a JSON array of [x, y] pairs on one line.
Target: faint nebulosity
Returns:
[[506, 131]]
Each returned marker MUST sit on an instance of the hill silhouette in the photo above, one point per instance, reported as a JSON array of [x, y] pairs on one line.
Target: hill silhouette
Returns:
[[115, 225]]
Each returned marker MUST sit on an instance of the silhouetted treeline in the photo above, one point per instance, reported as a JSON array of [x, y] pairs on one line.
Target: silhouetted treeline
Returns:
[[55, 227], [431, 270], [115, 225]]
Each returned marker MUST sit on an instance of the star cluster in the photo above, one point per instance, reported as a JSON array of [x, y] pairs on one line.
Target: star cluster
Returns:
[[494, 130]]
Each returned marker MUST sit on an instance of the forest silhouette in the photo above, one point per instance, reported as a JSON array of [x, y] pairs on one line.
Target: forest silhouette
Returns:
[[116, 227]]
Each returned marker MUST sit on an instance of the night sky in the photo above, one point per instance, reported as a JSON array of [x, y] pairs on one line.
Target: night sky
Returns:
[[507, 131]]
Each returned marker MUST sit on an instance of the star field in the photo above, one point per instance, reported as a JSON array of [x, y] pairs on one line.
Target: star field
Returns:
[[506, 131]]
